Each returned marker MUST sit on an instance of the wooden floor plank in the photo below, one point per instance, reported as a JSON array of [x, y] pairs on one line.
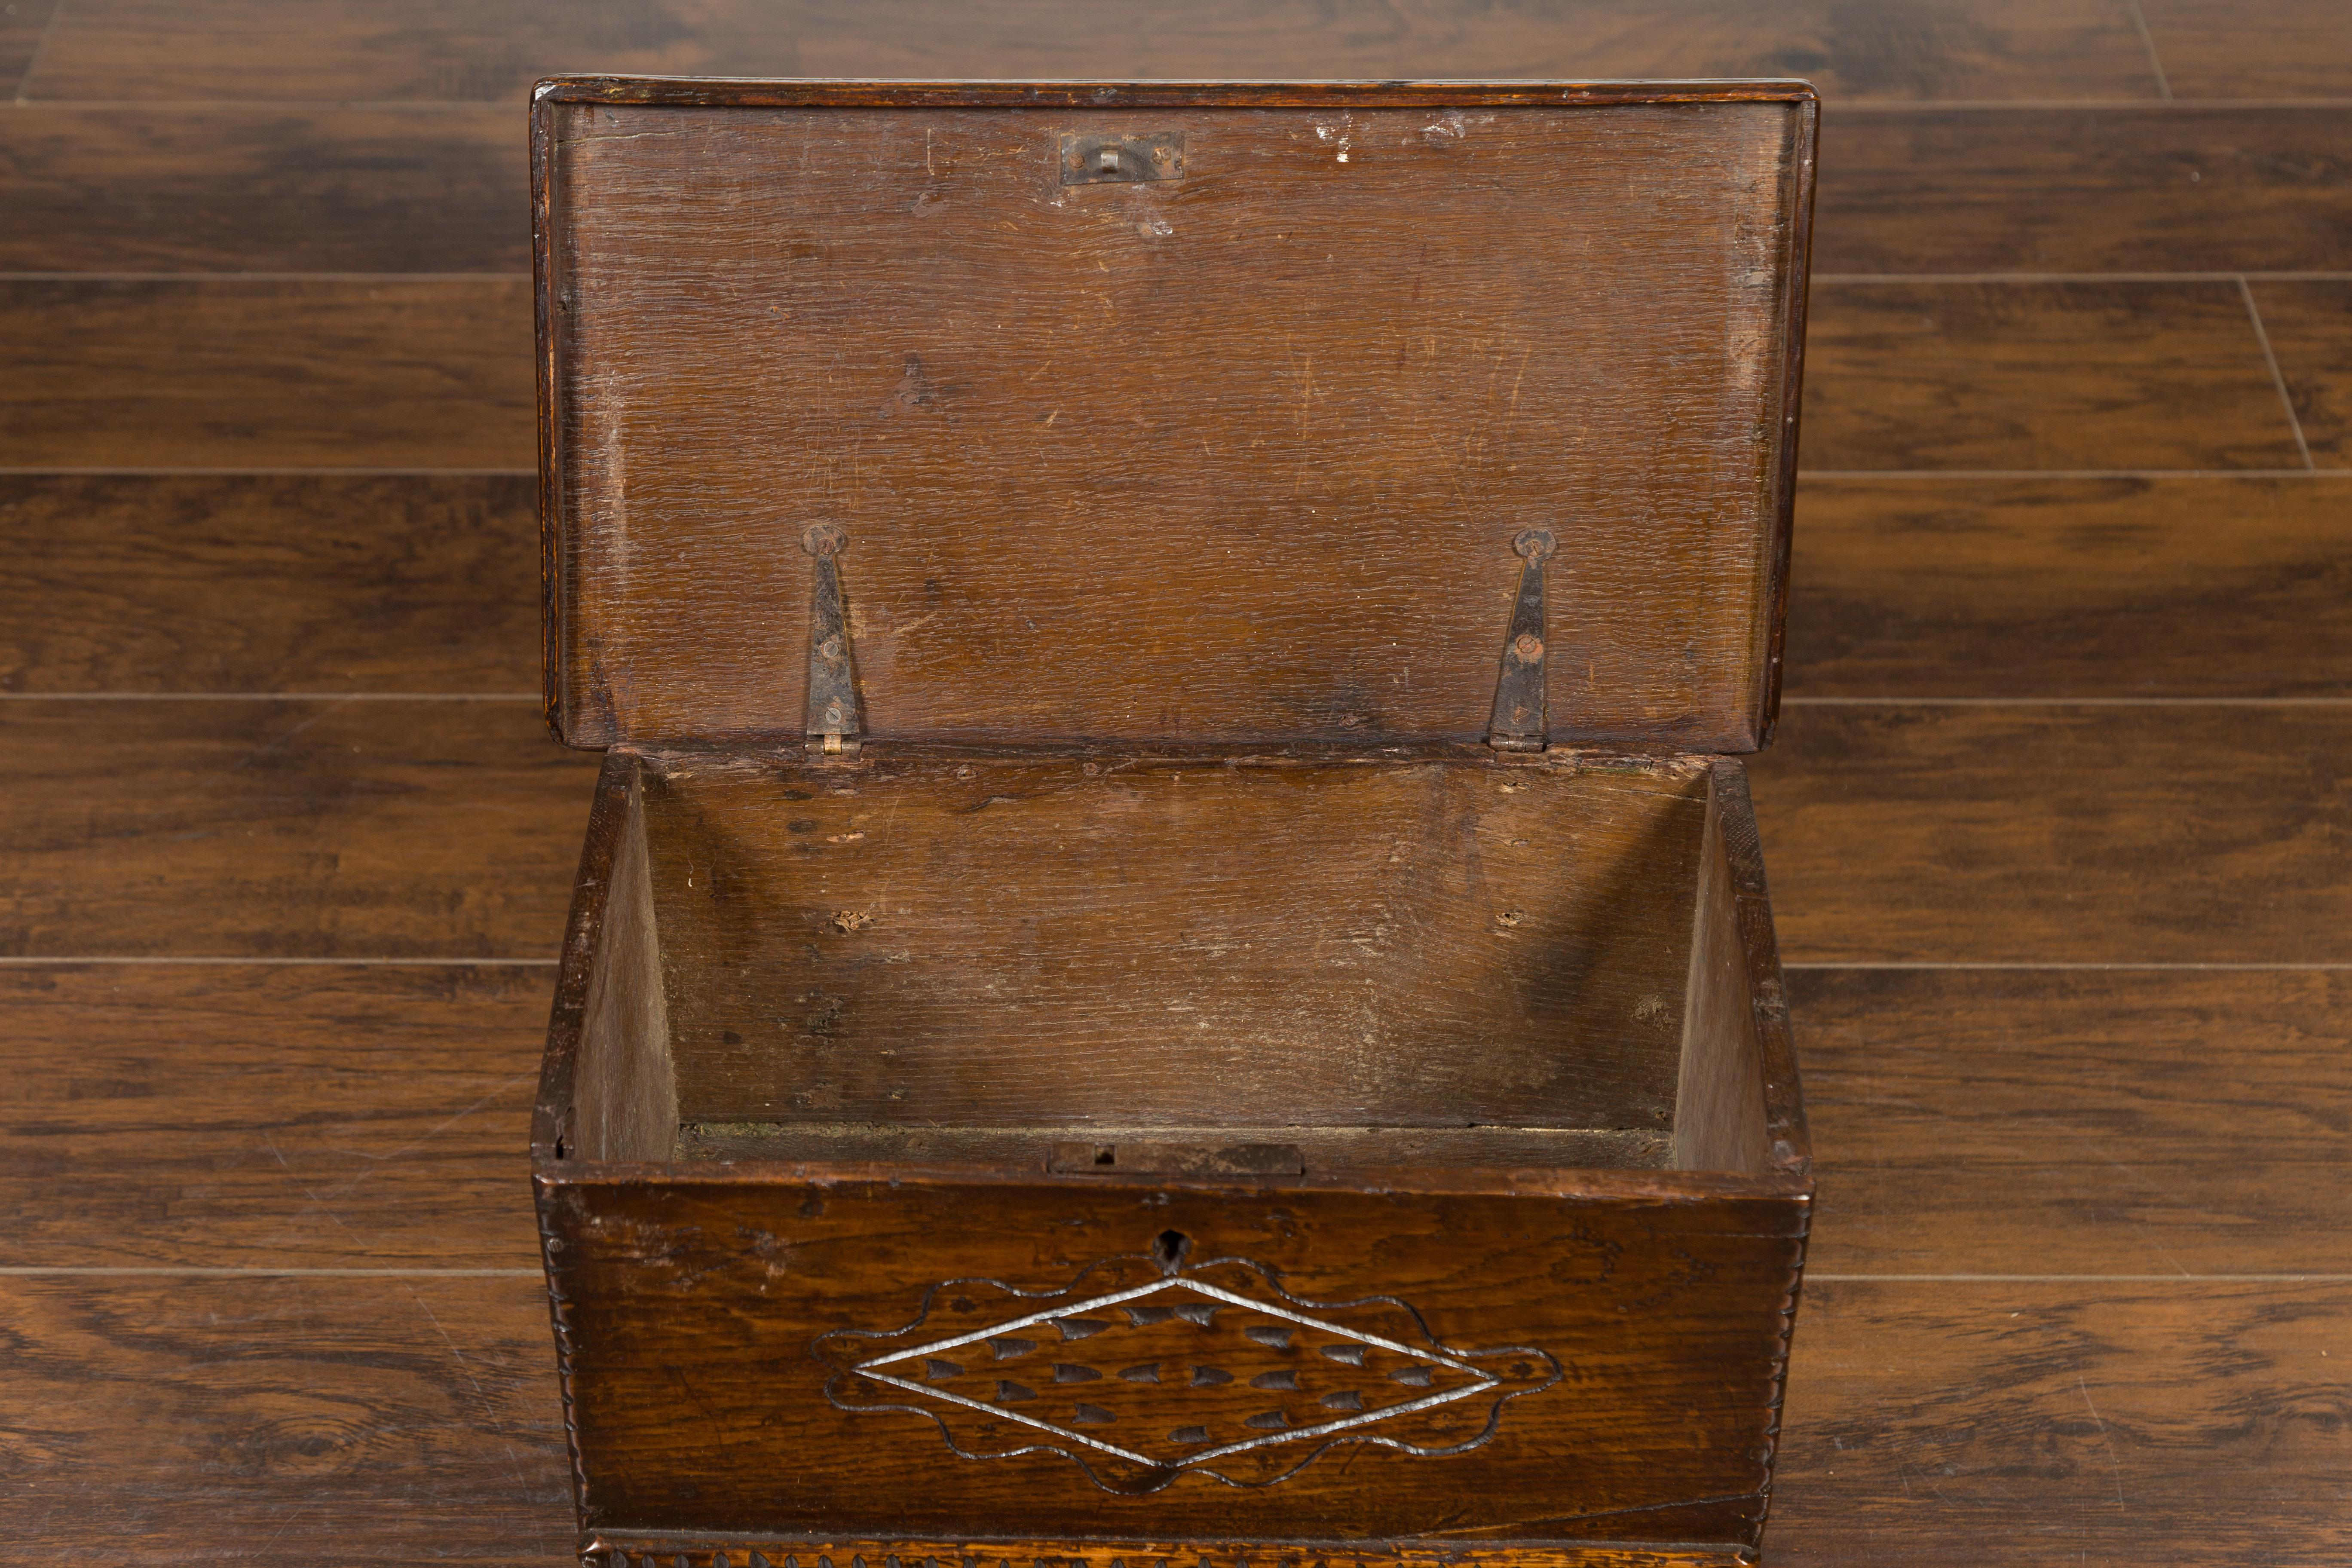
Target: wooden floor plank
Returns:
[[2145, 188], [490, 50], [269, 1116], [1919, 586], [269, 583], [2019, 1425], [286, 829], [242, 373], [2310, 326], [446, 51], [2124, 1121], [2155, 188], [283, 1421], [22, 25], [2106, 374], [1907, 49], [1911, 834], [2227, 48], [132, 189], [166, 1421]]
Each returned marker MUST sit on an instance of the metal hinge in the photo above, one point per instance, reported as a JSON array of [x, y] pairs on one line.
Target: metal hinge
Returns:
[[832, 724], [1521, 722]]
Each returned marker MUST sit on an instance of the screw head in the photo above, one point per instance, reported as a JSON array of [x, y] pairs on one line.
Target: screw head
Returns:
[[1534, 543], [1529, 646], [823, 539]]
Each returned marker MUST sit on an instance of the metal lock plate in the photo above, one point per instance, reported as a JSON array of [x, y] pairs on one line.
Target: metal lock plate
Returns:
[[1122, 160]]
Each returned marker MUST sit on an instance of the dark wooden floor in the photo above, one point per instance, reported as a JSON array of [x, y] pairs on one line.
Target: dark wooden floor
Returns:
[[2060, 820]]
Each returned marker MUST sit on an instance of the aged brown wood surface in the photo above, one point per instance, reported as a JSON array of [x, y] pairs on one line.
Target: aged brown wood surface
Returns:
[[2066, 1420], [1909, 833], [669, 1290], [2310, 326], [313, 829], [2288, 48], [2107, 1420], [277, 1419], [1305, 531], [704, 1551], [269, 190], [258, 1116], [449, 51], [2136, 373], [22, 25], [1125, 942], [2127, 189], [2071, 587], [245, 373], [2131, 1121], [250, 582]]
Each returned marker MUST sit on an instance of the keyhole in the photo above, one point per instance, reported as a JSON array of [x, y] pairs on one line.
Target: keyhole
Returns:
[[1168, 1250], [1109, 164]]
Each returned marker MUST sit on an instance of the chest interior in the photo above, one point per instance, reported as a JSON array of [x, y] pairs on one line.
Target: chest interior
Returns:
[[1275, 963]]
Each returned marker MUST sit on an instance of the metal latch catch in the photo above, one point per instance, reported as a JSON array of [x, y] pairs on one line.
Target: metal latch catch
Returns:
[[1521, 722], [833, 723], [1122, 160]]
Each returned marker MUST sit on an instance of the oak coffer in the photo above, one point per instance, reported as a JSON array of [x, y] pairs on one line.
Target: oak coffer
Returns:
[[1171, 965]]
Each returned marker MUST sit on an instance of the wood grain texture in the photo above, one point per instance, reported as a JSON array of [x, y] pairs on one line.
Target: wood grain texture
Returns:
[[168, 1421], [691, 1312], [626, 1103], [2281, 48], [493, 51], [2061, 587], [2176, 1423], [22, 25], [224, 374], [2310, 326], [1078, 507], [1719, 1093], [266, 1413], [435, 51], [2127, 1122], [2084, 834], [2135, 189], [2109, 375], [131, 189], [267, 1116], [1912, 50], [622, 1548], [269, 583], [285, 829], [1124, 941]]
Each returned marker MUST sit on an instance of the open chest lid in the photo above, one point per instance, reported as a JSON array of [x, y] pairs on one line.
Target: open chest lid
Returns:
[[1243, 414]]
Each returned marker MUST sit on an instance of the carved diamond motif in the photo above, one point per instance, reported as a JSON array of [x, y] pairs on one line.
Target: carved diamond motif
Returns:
[[1185, 1374]]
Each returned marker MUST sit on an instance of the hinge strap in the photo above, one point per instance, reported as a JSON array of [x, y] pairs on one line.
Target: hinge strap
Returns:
[[1521, 723], [833, 721]]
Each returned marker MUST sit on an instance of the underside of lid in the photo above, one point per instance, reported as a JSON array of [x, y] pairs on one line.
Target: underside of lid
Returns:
[[1194, 414]]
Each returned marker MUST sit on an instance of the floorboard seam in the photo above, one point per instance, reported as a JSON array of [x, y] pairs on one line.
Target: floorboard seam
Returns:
[[2147, 41], [19, 961], [2284, 968], [2278, 376], [78, 277], [2199, 276], [520, 104], [1817, 1276]]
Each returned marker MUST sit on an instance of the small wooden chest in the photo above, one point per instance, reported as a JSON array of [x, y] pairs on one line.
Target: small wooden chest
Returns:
[[1171, 965]]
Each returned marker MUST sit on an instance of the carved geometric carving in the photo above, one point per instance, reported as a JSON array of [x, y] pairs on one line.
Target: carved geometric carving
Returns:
[[1143, 1371]]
